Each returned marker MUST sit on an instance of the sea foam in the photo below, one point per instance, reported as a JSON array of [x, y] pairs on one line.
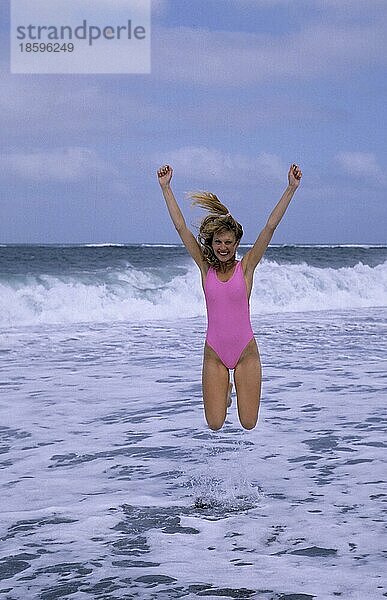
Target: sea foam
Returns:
[[130, 294]]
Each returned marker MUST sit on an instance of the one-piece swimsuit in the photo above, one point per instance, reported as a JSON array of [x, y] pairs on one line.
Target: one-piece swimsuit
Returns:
[[229, 328]]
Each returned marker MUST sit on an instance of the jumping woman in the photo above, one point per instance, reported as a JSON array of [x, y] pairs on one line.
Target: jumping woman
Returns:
[[227, 285]]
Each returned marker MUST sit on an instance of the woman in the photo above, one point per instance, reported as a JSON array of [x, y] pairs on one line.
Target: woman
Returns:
[[227, 285]]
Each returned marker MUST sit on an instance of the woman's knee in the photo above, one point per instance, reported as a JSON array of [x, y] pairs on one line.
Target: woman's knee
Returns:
[[215, 427], [249, 423], [215, 423], [248, 418]]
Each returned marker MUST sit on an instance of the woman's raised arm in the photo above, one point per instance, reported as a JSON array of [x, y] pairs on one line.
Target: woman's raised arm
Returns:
[[254, 255], [192, 245]]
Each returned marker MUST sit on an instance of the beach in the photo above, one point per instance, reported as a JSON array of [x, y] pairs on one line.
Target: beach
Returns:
[[112, 486]]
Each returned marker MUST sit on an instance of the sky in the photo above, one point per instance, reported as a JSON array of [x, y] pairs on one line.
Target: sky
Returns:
[[238, 90]]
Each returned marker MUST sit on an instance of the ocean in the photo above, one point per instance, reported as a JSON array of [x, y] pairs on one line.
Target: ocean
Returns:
[[112, 486]]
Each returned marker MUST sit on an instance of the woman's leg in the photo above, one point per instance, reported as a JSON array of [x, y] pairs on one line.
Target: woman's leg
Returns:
[[247, 378], [216, 379]]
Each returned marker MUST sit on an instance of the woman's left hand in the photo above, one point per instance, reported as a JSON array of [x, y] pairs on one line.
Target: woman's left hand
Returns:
[[294, 175]]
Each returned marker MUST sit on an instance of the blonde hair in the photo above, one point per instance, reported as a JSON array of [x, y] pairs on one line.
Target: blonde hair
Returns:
[[218, 220]]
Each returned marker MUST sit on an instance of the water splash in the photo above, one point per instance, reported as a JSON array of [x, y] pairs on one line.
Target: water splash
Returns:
[[211, 493], [225, 485]]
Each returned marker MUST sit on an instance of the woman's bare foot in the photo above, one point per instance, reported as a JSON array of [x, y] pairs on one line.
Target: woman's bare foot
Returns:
[[229, 399]]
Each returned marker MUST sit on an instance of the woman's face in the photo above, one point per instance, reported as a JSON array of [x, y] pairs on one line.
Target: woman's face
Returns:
[[224, 245]]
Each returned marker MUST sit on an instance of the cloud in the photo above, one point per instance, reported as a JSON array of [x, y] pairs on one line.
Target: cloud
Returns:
[[361, 165], [204, 57], [62, 165], [74, 109], [262, 3], [159, 7], [200, 163], [350, 7]]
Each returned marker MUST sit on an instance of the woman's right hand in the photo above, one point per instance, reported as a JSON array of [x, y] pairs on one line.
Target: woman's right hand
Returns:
[[165, 175]]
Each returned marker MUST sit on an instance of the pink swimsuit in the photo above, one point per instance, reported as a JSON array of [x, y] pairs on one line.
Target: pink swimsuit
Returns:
[[229, 328]]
